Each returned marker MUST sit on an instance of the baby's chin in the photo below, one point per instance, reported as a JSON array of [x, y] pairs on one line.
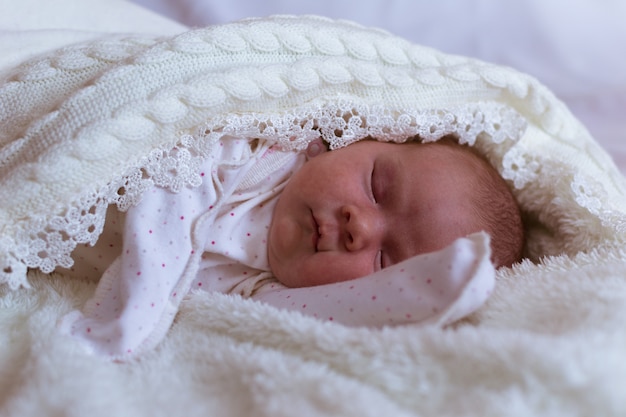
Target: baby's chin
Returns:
[[294, 276], [289, 280], [287, 273], [299, 277], [281, 270]]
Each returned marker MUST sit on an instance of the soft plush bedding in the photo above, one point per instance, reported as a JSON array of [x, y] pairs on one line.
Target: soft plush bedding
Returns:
[[549, 341]]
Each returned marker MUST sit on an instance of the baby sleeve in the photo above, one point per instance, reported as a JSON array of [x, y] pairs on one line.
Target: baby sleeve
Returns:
[[435, 288], [138, 295]]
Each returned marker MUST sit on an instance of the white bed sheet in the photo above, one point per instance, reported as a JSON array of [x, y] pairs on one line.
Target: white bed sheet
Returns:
[[556, 360], [572, 47]]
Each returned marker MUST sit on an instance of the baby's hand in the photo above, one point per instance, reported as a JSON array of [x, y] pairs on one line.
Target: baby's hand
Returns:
[[315, 148]]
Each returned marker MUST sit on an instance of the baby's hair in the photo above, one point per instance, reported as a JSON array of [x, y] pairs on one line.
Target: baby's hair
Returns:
[[494, 206]]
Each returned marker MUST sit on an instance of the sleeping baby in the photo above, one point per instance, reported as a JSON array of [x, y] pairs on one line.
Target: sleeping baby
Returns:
[[372, 234]]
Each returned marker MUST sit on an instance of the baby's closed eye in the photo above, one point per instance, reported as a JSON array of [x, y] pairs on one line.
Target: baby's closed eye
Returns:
[[379, 262]]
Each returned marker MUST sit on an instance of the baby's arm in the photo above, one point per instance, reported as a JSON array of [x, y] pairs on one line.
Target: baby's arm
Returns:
[[439, 287]]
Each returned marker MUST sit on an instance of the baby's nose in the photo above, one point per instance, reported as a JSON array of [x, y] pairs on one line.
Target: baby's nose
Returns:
[[362, 228]]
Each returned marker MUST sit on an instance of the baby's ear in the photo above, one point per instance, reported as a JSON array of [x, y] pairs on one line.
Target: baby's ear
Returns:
[[315, 148]]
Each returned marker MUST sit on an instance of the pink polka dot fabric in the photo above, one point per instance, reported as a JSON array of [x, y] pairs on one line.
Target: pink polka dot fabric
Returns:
[[435, 288], [212, 237]]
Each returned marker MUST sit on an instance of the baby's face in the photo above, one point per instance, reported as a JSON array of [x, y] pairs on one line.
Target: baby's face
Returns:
[[350, 212]]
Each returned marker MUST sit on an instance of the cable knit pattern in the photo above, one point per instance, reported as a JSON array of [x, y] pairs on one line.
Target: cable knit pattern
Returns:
[[96, 124]]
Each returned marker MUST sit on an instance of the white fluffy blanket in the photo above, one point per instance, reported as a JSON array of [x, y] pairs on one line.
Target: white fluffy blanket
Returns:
[[550, 341]]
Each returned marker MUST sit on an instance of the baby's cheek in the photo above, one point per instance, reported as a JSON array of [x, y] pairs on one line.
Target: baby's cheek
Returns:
[[283, 236]]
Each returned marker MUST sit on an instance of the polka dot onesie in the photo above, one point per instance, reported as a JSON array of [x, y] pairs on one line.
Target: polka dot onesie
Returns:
[[214, 238]]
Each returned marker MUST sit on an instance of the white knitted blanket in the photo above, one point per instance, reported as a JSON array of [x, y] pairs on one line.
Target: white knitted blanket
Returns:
[[96, 124]]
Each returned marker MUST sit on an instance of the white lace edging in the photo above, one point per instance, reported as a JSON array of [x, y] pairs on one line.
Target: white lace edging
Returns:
[[46, 243]]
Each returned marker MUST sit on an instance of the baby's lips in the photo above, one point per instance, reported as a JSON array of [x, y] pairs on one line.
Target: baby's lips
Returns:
[[316, 235]]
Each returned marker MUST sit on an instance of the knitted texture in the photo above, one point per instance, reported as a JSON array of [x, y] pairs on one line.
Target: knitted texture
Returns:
[[97, 124]]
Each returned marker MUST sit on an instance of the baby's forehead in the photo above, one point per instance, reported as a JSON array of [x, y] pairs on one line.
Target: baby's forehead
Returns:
[[448, 167], [445, 156], [446, 153], [451, 167]]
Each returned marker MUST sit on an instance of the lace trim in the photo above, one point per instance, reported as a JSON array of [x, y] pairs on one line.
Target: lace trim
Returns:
[[48, 243], [520, 166]]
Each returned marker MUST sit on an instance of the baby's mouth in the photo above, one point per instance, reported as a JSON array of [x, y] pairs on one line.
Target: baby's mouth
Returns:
[[316, 232]]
